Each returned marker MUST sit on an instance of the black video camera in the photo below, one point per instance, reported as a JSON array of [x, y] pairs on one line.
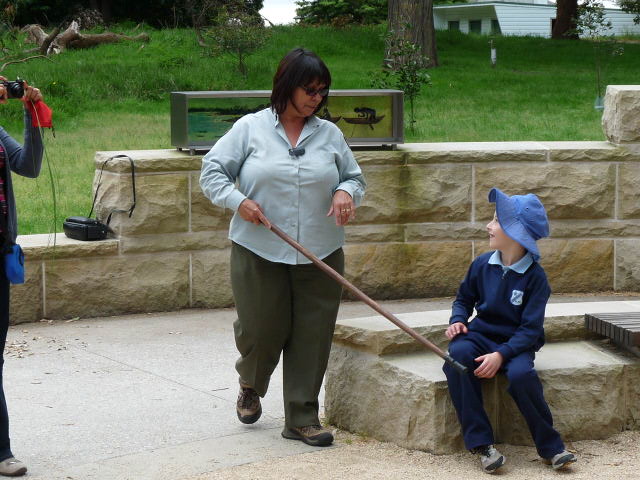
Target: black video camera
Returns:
[[14, 89]]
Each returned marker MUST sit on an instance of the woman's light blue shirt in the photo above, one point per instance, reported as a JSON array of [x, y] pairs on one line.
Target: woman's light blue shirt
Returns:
[[252, 160]]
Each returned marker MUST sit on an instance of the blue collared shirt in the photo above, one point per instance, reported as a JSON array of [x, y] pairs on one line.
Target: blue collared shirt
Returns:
[[520, 266], [252, 160]]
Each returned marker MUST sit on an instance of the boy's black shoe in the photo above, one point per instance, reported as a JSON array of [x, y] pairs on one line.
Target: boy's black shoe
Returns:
[[313, 435], [490, 458], [248, 405]]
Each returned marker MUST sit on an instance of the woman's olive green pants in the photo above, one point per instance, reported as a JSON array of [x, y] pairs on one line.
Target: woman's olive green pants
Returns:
[[288, 309]]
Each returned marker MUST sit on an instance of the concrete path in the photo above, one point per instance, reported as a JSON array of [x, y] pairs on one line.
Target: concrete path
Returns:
[[144, 397]]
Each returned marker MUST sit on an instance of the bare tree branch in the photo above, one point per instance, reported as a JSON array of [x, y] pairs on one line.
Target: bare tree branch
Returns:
[[47, 41], [35, 33], [5, 65]]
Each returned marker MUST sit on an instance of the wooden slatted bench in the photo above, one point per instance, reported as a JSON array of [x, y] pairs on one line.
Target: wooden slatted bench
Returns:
[[623, 328]]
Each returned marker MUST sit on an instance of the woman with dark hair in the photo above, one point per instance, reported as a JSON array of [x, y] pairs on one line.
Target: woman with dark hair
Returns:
[[286, 164]]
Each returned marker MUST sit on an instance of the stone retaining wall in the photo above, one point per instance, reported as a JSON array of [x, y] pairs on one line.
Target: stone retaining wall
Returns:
[[422, 222]]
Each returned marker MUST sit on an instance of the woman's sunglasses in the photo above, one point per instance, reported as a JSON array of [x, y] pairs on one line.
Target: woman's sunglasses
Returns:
[[312, 92]]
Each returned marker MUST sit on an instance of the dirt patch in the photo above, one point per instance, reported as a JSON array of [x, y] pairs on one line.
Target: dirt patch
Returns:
[[363, 459]]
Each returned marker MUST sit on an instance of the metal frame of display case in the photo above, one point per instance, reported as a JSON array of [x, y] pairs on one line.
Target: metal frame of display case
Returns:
[[180, 116]]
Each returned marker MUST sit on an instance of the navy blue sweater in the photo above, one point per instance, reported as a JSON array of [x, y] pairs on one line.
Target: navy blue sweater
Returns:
[[510, 306]]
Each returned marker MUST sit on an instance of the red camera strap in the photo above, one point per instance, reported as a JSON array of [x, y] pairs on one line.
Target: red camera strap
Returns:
[[41, 114]]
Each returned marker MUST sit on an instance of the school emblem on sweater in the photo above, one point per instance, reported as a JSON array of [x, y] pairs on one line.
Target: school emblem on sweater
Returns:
[[516, 297]]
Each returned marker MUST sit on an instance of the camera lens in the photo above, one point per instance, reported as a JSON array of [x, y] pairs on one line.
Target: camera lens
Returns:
[[15, 90]]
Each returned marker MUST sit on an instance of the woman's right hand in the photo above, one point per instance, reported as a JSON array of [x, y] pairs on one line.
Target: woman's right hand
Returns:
[[3, 91], [252, 212], [455, 329]]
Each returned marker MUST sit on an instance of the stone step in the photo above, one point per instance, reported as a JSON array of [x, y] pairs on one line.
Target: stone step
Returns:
[[376, 334], [593, 392]]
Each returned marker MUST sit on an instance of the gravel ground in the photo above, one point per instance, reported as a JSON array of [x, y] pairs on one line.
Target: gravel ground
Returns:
[[360, 458]]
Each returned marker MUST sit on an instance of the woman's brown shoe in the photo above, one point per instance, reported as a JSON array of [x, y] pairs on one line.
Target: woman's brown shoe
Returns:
[[248, 405], [313, 435]]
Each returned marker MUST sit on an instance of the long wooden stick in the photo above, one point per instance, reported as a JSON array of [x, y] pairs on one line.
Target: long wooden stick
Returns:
[[362, 296]]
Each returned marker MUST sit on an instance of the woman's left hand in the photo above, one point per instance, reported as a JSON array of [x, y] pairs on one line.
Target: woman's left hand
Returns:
[[342, 207], [31, 94]]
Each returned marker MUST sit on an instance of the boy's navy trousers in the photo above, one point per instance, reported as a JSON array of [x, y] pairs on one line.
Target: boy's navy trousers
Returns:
[[524, 387]]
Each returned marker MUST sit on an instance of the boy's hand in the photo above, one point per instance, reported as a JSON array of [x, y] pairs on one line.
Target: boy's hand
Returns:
[[490, 365], [455, 329]]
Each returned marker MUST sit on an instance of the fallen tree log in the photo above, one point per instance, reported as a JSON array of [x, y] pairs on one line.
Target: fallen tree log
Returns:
[[89, 41], [71, 38]]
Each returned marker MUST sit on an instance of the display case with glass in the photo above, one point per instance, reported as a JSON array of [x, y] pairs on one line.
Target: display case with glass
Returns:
[[366, 117]]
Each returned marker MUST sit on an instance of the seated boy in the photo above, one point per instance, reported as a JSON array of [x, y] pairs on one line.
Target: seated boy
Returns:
[[509, 290]]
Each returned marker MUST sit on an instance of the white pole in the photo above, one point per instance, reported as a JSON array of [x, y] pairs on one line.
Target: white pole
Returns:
[[494, 54]]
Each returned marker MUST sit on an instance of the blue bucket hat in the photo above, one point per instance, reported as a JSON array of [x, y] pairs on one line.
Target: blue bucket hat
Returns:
[[522, 217]]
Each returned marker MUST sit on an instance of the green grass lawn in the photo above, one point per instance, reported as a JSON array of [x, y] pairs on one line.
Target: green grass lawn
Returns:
[[117, 96]]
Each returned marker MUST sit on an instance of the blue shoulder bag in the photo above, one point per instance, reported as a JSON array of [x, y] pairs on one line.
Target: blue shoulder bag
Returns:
[[14, 264]]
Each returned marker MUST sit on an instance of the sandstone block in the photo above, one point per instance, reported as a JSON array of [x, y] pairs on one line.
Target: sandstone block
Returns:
[[374, 233], [629, 176], [568, 191], [621, 117], [175, 242], [162, 203], [204, 214], [474, 152], [26, 299], [627, 265], [211, 282], [595, 228], [46, 247], [376, 157], [110, 286], [377, 335], [146, 161], [420, 232], [632, 380], [588, 152], [407, 270], [372, 396], [578, 265], [409, 194]]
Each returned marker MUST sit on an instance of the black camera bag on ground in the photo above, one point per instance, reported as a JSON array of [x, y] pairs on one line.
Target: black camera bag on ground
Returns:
[[86, 228]]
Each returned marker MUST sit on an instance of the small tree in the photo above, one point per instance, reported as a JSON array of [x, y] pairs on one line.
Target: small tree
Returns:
[[403, 69], [631, 6], [237, 32], [341, 12], [12, 40], [592, 23]]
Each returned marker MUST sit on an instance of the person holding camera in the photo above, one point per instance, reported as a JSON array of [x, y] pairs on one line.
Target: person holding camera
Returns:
[[297, 170], [25, 160]]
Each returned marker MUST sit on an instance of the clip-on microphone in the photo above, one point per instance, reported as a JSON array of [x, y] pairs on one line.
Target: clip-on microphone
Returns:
[[296, 152]]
